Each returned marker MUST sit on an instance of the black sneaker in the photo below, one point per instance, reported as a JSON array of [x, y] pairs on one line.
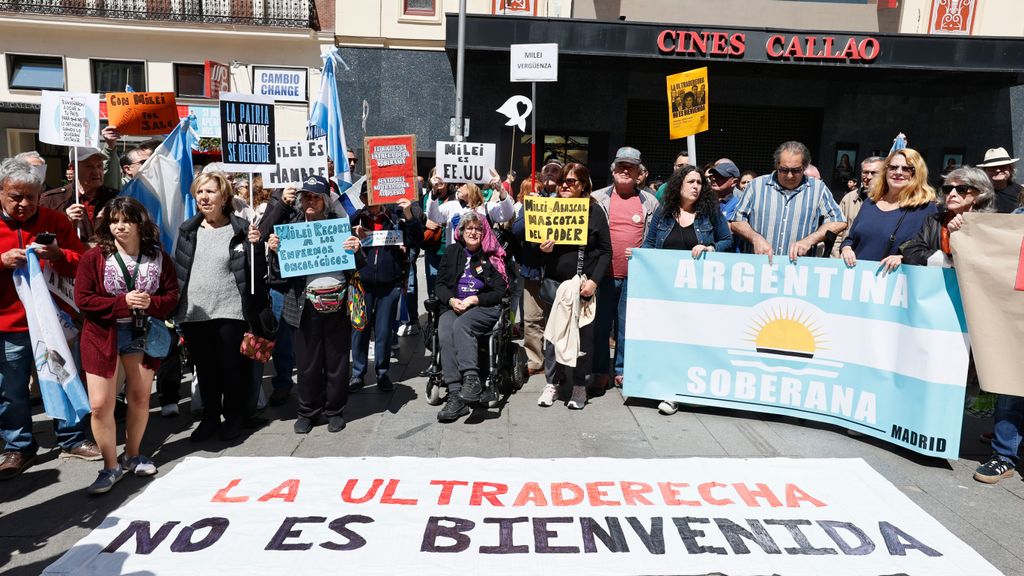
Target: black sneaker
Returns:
[[471, 387], [453, 409], [303, 425], [279, 397], [356, 383], [335, 423], [206, 429], [232, 428], [994, 470], [384, 383]]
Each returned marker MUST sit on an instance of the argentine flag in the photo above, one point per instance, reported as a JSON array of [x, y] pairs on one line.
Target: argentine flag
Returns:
[[325, 121], [164, 182]]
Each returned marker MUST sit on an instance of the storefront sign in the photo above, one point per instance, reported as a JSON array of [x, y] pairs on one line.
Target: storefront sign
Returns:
[[465, 161], [688, 103], [247, 132], [314, 247], [142, 113], [563, 220], [216, 79], [297, 160], [391, 168], [236, 516], [882, 354], [533, 63], [69, 118], [795, 47], [952, 17], [281, 84]]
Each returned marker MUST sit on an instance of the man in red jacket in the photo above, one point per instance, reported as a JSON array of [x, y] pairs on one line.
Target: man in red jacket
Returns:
[[21, 221]]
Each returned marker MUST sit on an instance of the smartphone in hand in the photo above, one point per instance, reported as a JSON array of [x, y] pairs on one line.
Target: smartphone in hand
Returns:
[[45, 238]]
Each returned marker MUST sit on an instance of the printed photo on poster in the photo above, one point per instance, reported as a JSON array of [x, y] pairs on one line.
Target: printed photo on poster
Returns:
[[391, 168], [951, 160], [688, 95], [845, 167]]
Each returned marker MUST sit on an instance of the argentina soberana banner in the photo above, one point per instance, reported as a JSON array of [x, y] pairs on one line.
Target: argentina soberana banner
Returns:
[[881, 354]]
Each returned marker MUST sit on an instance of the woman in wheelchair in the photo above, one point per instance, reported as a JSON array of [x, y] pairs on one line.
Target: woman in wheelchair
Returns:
[[470, 285]]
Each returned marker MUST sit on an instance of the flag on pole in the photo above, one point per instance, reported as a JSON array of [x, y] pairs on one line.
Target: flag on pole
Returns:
[[64, 397], [164, 183], [325, 121], [898, 143]]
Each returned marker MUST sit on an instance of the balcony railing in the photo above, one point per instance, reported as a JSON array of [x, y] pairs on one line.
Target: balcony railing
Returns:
[[274, 13]]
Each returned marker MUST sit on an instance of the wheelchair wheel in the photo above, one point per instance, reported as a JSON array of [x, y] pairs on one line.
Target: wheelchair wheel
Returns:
[[520, 373], [433, 392]]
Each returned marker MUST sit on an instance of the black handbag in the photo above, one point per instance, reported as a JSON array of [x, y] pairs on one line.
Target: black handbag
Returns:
[[549, 286]]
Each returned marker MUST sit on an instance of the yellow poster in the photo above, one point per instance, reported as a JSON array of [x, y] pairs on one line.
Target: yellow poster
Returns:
[[687, 103], [563, 220]]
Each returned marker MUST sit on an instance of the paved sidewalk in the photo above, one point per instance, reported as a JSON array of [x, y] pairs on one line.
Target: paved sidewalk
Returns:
[[45, 511]]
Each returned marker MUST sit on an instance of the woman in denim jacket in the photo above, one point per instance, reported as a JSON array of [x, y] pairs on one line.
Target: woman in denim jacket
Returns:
[[689, 218]]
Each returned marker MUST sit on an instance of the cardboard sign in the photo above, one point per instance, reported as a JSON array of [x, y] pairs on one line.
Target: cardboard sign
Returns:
[[60, 286], [533, 63], [391, 168], [563, 220], [464, 161], [247, 132], [687, 103], [882, 354], [281, 84], [297, 160], [142, 113], [69, 119], [512, 516], [216, 79], [314, 247]]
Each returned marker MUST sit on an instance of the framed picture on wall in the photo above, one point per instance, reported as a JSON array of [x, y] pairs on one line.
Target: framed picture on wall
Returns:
[[952, 158], [845, 165]]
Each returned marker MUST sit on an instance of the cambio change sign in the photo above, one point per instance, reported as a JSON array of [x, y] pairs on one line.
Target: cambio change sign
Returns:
[[508, 516]]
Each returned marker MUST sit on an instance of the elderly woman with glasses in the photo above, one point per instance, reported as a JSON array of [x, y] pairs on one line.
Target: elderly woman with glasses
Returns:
[[966, 189], [470, 285], [896, 208]]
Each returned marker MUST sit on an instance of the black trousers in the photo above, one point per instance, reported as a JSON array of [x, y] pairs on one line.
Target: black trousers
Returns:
[[168, 375], [225, 374], [322, 343]]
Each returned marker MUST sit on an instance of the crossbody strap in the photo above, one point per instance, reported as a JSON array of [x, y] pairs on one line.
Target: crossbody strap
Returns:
[[129, 279], [892, 237], [579, 261]]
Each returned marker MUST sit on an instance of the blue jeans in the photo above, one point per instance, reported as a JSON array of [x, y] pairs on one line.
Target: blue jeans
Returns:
[[381, 306], [611, 308], [432, 260], [412, 291], [1009, 420], [15, 403]]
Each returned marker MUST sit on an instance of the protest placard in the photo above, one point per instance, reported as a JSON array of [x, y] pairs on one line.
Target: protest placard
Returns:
[[563, 220], [687, 103], [247, 132], [69, 118], [379, 238], [464, 161], [142, 113], [881, 354], [533, 63], [207, 120], [514, 516], [391, 168], [281, 84], [314, 247], [297, 160]]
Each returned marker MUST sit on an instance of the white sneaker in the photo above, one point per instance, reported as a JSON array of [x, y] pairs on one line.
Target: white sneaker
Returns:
[[668, 408], [169, 410], [547, 397], [579, 398]]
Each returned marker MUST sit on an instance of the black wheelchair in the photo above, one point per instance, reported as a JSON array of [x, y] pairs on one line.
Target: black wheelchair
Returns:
[[503, 368]]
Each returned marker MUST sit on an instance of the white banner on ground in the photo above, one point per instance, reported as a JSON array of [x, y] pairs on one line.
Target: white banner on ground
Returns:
[[427, 516]]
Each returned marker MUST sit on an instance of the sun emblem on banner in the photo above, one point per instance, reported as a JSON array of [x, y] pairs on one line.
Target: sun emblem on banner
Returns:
[[786, 331]]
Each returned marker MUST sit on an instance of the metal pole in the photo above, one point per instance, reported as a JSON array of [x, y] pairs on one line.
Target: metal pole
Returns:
[[252, 247], [691, 149], [460, 71], [533, 138], [74, 177]]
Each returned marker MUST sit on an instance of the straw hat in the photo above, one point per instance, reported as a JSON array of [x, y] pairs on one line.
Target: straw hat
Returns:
[[996, 157]]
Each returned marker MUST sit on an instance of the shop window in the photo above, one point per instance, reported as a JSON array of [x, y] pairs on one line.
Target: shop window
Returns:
[[188, 80], [420, 7], [116, 75], [35, 72], [562, 147]]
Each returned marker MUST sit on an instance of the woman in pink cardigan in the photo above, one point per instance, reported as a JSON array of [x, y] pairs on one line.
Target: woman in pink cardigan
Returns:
[[122, 282]]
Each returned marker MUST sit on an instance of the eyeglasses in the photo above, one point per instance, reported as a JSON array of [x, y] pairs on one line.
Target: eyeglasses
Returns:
[[960, 189], [790, 171], [905, 169], [473, 229], [352, 160], [569, 182]]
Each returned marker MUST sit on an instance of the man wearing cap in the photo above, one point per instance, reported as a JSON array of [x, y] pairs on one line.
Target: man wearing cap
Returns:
[[786, 213], [724, 176], [629, 210], [92, 194], [1001, 170]]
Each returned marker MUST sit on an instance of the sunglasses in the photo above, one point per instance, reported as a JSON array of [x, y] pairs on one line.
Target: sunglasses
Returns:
[[960, 189], [790, 171], [905, 169], [569, 181]]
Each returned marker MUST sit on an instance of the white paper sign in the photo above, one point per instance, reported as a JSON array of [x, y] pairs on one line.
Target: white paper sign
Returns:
[[465, 161], [297, 160], [510, 516], [383, 238], [281, 84], [69, 119], [534, 63], [60, 286]]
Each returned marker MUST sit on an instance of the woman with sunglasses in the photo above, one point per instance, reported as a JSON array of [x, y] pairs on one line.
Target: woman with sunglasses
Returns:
[[966, 189], [896, 208]]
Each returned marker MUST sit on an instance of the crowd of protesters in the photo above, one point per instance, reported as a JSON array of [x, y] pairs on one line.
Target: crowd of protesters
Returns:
[[222, 288]]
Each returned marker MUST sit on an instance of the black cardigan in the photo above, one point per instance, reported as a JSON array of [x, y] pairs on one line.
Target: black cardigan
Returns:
[[451, 269]]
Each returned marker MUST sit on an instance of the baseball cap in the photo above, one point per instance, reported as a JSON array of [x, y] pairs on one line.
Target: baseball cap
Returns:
[[85, 152], [727, 169], [316, 185], [627, 155]]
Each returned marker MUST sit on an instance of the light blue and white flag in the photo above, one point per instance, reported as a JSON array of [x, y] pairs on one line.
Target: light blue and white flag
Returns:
[[882, 354], [164, 182], [325, 122], [64, 397], [899, 142]]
